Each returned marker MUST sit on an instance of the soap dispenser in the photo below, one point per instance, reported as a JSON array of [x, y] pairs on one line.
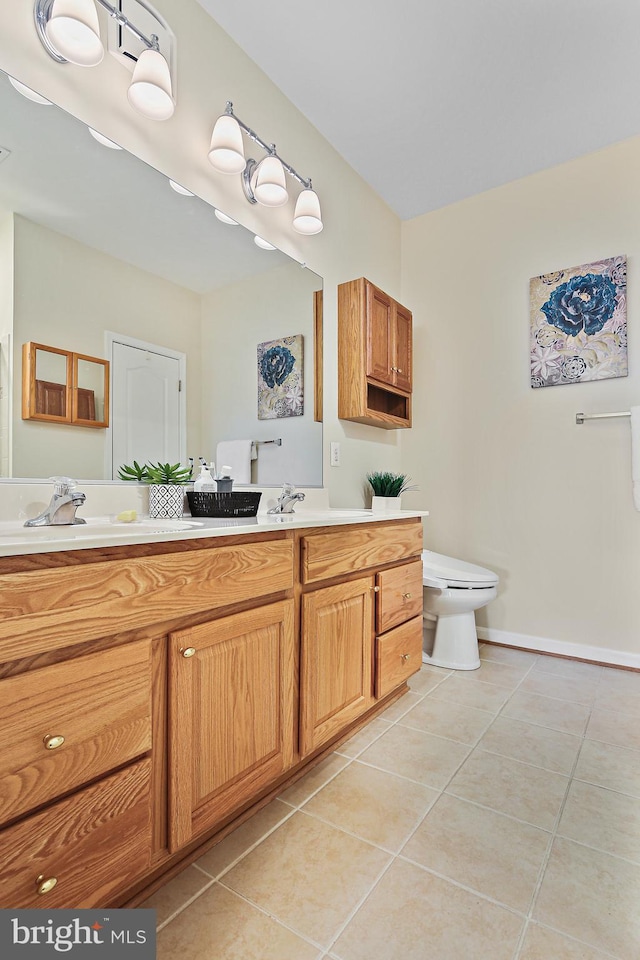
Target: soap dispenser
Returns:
[[205, 482], [224, 481]]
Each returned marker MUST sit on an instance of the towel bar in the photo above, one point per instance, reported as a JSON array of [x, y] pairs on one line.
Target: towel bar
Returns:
[[581, 417]]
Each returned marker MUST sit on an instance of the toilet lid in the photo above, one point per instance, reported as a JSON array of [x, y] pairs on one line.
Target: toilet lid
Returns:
[[456, 572]]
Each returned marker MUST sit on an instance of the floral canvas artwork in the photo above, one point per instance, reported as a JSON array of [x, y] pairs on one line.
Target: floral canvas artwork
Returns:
[[579, 324], [280, 372]]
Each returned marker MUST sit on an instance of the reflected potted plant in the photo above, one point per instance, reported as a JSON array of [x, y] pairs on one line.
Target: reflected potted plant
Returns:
[[166, 486], [387, 489]]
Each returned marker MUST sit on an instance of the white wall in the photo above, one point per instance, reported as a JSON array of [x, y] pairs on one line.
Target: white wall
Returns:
[[361, 236], [66, 295], [235, 319], [510, 480], [6, 326]]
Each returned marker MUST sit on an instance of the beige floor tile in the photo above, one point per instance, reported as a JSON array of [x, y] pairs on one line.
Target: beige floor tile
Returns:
[[416, 755], [623, 701], [400, 707], [222, 926], [616, 768], [173, 896], [603, 819], [373, 804], [576, 690], [532, 744], [446, 719], [237, 843], [361, 740], [593, 897], [609, 726], [299, 792], [489, 651], [427, 678], [623, 681], [562, 667], [413, 915], [542, 944], [517, 789], [505, 675], [483, 696], [308, 874], [475, 847], [555, 714]]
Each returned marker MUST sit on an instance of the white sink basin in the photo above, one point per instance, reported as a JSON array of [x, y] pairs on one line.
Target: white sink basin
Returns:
[[13, 532]]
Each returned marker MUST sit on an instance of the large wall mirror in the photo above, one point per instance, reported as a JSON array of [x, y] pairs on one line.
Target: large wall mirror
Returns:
[[97, 249]]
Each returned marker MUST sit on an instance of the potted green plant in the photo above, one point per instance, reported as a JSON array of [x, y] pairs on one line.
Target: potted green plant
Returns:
[[166, 486], [387, 489]]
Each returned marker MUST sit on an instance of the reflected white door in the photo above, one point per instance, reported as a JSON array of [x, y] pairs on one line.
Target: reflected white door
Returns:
[[147, 405]]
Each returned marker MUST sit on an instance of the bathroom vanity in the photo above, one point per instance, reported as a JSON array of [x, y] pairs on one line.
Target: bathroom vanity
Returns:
[[154, 693]]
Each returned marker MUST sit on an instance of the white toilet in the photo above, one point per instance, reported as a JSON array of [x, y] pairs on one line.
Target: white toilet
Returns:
[[452, 591]]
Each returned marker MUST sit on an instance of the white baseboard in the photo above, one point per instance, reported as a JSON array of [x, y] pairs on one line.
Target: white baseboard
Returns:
[[578, 651]]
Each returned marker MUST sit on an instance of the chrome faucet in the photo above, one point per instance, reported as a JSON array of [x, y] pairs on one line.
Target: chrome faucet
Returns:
[[62, 507], [286, 499]]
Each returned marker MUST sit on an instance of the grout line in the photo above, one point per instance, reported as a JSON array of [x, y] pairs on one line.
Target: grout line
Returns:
[[184, 906]]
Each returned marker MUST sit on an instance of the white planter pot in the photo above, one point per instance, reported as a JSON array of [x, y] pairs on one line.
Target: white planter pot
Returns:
[[385, 504], [166, 501]]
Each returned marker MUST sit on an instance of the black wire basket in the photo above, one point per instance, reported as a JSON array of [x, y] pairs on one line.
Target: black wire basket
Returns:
[[238, 504]]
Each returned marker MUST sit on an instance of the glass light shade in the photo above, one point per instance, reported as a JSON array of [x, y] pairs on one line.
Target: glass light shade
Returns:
[[223, 218], [307, 218], [269, 187], [226, 152], [263, 244], [150, 89], [28, 92], [100, 137], [74, 31], [180, 189]]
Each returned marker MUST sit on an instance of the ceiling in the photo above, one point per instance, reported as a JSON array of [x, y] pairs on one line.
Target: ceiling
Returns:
[[432, 101]]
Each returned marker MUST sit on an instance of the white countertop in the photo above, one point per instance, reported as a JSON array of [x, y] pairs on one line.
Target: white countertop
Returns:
[[16, 539]]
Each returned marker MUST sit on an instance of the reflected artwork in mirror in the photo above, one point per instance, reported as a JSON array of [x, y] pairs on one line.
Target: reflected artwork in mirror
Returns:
[[96, 246]]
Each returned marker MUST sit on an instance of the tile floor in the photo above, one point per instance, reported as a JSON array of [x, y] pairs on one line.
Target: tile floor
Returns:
[[489, 815]]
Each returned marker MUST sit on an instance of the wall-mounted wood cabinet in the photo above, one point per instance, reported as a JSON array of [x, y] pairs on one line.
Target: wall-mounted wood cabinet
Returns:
[[375, 356], [59, 386]]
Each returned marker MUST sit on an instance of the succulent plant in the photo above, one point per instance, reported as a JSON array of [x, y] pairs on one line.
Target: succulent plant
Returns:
[[135, 472], [155, 473]]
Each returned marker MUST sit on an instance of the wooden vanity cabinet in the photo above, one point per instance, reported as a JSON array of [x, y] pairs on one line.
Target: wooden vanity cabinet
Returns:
[[231, 723], [350, 655], [375, 356]]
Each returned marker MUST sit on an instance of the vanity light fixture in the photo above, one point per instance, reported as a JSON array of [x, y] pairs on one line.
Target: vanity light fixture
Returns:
[[28, 92], [263, 182], [70, 33]]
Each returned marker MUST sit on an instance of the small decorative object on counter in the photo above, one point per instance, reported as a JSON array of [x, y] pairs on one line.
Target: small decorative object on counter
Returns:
[[224, 482], [166, 486], [387, 489]]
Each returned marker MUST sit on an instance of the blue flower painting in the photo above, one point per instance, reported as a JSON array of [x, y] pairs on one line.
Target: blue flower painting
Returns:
[[579, 324], [280, 373]]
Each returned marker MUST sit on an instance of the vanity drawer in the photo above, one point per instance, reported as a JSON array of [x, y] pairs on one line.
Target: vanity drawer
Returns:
[[327, 555], [398, 656], [99, 706], [92, 844], [399, 595]]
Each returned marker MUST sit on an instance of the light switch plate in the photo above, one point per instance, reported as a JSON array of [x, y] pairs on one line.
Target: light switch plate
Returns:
[[335, 454]]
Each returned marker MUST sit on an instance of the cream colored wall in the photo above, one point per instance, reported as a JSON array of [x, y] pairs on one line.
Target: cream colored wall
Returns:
[[66, 295], [361, 236], [6, 324], [511, 482], [235, 319]]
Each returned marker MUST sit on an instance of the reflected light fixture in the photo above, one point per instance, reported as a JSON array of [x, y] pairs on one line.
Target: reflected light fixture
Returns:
[[180, 189], [223, 218], [28, 92], [263, 182], [70, 33], [100, 137], [263, 244]]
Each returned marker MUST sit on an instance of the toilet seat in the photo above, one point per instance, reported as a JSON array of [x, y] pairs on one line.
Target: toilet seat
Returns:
[[441, 571]]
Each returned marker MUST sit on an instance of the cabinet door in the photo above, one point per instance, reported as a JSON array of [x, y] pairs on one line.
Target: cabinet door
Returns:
[[231, 727], [380, 308], [335, 682], [402, 348]]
